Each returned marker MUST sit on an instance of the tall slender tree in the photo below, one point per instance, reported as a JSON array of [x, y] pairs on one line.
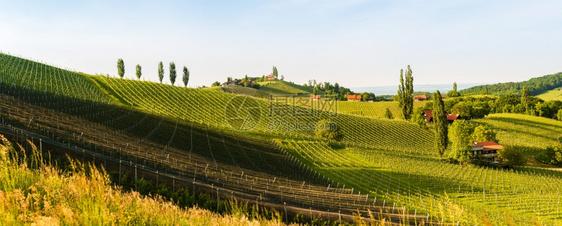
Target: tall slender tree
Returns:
[[405, 93], [185, 76], [173, 73], [120, 67], [139, 72], [160, 71], [275, 73], [525, 98], [441, 124]]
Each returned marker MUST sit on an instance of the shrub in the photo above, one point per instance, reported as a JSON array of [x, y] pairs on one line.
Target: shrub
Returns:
[[328, 130], [551, 155], [511, 157]]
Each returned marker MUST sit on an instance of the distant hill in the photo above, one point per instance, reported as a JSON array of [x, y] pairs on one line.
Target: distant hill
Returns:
[[391, 90], [555, 94], [536, 86]]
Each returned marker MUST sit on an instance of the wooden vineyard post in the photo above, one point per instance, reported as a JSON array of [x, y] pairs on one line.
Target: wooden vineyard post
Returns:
[[286, 217]]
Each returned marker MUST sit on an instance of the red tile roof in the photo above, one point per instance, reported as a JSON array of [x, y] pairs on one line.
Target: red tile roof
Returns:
[[315, 97], [420, 97], [488, 145], [354, 97], [429, 113], [452, 117]]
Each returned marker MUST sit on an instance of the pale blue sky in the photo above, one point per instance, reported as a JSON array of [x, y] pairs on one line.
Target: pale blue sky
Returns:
[[354, 42]]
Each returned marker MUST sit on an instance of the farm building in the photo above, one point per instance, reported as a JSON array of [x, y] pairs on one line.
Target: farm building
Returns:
[[423, 97], [354, 97], [315, 97], [428, 115], [420, 97], [488, 149], [270, 77], [231, 83]]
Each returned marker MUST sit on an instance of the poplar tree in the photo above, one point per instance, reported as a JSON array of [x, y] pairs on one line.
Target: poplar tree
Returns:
[[525, 98], [441, 124], [275, 73], [160, 71], [139, 72], [172, 73], [405, 93], [120, 67], [185, 76]]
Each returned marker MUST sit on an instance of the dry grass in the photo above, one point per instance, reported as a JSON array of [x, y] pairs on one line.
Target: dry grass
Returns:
[[32, 192]]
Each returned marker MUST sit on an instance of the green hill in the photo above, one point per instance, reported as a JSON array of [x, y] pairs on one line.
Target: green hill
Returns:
[[555, 94], [525, 132], [189, 131], [265, 151], [536, 86], [283, 87]]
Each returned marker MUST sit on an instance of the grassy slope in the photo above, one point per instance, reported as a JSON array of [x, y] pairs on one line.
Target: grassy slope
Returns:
[[283, 87], [524, 132], [554, 94], [373, 109], [420, 182], [46, 196], [204, 106], [200, 105]]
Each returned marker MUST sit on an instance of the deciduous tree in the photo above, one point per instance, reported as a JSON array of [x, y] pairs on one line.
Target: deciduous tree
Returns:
[[275, 72], [511, 157], [172, 73], [139, 72], [120, 67], [328, 130], [160, 71], [441, 124], [405, 93], [459, 134], [185, 76], [483, 133]]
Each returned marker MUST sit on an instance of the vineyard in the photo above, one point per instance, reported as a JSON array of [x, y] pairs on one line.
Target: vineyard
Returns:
[[450, 193], [524, 132], [282, 87], [373, 109], [228, 143]]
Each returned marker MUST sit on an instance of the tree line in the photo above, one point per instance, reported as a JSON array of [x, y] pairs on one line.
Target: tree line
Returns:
[[535, 86], [172, 72]]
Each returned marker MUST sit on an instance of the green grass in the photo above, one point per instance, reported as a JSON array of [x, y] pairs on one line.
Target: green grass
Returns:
[[555, 94], [524, 132], [41, 194], [446, 191], [247, 91], [283, 87], [392, 160], [373, 109]]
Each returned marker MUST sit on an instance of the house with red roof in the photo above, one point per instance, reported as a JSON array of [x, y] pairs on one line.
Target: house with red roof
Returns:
[[270, 77], [315, 97], [354, 97], [420, 97], [428, 115], [487, 149]]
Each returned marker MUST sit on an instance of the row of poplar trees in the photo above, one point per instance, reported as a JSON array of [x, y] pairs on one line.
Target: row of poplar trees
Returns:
[[173, 74], [406, 102]]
